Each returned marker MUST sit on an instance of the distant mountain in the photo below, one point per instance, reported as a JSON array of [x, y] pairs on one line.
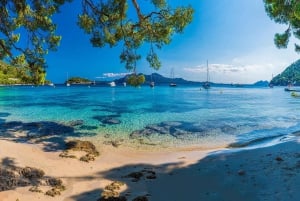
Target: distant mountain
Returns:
[[262, 83], [291, 75], [160, 80]]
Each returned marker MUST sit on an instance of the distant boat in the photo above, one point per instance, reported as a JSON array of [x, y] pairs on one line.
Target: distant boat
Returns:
[[152, 84], [124, 84], [172, 84], [271, 85], [291, 87], [112, 84], [206, 85], [68, 84]]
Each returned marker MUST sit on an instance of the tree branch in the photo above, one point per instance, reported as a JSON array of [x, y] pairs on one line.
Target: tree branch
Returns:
[[94, 8], [138, 10], [5, 49]]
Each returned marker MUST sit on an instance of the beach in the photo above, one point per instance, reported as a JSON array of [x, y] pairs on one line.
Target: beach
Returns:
[[95, 107], [77, 143], [265, 173]]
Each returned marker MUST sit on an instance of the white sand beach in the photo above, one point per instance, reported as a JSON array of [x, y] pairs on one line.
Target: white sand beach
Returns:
[[269, 173]]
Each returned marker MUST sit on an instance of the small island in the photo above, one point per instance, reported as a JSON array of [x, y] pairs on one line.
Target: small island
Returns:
[[78, 80]]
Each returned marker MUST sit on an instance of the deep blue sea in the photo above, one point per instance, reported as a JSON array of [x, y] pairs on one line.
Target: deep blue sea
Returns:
[[162, 116]]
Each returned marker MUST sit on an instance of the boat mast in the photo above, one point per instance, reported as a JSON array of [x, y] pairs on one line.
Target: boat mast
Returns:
[[207, 72]]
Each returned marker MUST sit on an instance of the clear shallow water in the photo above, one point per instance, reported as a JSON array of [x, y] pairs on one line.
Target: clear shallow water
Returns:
[[182, 116]]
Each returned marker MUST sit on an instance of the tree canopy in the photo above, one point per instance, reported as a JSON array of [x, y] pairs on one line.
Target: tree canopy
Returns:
[[285, 12], [27, 31], [21, 75]]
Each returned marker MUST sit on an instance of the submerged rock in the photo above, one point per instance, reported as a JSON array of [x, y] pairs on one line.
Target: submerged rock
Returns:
[[136, 176], [175, 129], [228, 129], [121, 198], [182, 129], [278, 158], [140, 198], [109, 119], [75, 123], [114, 143]]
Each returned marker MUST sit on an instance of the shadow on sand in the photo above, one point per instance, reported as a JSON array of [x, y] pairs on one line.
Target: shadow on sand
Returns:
[[51, 134], [12, 176], [258, 174]]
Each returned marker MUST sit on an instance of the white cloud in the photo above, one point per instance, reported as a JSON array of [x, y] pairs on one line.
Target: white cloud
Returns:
[[112, 75], [232, 73], [248, 68]]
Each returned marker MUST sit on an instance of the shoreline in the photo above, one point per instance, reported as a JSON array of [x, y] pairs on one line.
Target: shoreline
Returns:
[[262, 173]]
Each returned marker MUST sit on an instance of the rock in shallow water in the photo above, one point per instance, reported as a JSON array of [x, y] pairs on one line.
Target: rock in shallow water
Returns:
[[75, 123], [175, 129], [110, 121]]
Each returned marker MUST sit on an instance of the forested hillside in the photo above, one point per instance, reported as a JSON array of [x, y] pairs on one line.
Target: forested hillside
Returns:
[[20, 75], [291, 75]]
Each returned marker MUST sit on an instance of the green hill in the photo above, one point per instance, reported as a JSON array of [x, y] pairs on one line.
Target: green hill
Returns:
[[78, 80], [291, 75], [12, 75]]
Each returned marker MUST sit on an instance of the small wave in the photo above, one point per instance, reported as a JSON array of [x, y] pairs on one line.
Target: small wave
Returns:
[[257, 141]]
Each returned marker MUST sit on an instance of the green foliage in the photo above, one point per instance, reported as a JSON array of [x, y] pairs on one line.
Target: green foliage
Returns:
[[27, 31], [108, 23], [78, 80], [29, 20], [282, 40], [135, 80], [291, 75], [285, 12], [21, 75]]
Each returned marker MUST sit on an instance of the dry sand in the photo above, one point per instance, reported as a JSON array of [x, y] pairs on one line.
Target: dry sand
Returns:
[[269, 173]]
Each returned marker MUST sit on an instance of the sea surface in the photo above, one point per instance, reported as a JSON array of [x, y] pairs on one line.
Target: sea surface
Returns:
[[155, 117]]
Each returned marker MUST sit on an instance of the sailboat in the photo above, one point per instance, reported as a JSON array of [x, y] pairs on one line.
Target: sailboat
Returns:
[[112, 84], [172, 84], [67, 84], [206, 85], [152, 84], [271, 85]]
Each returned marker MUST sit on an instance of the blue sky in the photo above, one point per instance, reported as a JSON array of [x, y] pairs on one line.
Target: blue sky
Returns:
[[236, 37]]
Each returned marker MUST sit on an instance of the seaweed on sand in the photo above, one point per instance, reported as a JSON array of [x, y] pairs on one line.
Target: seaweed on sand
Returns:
[[111, 192], [78, 145], [12, 177]]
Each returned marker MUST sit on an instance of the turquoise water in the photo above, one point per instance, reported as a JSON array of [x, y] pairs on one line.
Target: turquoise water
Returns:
[[182, 116]]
